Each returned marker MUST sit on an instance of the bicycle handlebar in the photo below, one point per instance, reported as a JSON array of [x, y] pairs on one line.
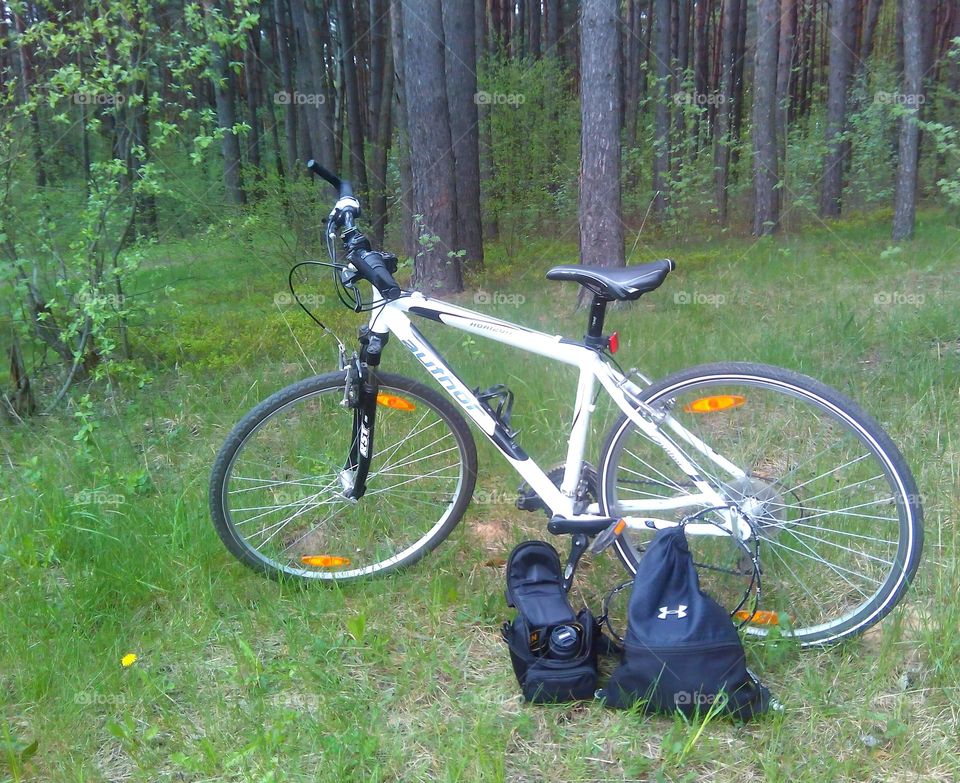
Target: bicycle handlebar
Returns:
[[371, 264]]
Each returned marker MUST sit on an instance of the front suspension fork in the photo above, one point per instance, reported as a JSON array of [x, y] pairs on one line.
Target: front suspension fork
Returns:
[[360, 394]]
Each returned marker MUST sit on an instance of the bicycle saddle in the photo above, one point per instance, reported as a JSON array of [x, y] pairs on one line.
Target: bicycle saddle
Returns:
[[621, 283]]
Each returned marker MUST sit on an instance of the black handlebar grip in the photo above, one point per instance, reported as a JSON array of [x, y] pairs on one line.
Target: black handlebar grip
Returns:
[[320, 171]]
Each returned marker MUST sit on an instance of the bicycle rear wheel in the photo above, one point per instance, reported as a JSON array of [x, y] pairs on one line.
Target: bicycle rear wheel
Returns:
[[276, 495], [832, 503]]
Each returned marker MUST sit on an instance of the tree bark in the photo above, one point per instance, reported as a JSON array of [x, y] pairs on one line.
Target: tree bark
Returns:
[[490, 228], [786, 48], [721, 160], [407, 206], [766, 212], [905, 195], [661, 114], [26, 78], [381, 146], [312, 78], [281, 21], [348, 61], [601, 227], [535, 22], [251, 65], [224, 92], [553, 27], [631, 70], [461, 73], [701, 63], [431, 153], [837, 85]]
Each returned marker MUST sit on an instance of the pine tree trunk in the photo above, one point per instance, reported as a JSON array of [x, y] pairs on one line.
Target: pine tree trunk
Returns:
[[484, 41], [553, 27], [381, 145], [282, 37], [408, 233], [838, 83], [535, 22], [251, 64], [786, 47], [661, 112], [434, 175], [721, 160], [766, 213], [224, 91], [26, 79], [461, 74], [601, 227], [701, 63], [905, 196], [354, 108]]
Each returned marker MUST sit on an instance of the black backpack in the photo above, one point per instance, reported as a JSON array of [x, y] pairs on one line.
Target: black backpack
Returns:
[[681, 649], [553, 649]]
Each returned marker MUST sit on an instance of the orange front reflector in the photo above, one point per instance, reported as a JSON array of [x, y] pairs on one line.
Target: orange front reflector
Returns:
[[719, 402], [325, 561], [760, 617], [393, 401], [619, 528]]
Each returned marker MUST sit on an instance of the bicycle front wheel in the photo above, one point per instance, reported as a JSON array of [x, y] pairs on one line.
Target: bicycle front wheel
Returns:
[[832, 504], [276, 494]]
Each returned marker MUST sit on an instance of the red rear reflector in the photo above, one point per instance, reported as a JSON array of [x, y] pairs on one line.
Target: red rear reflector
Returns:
[[614, 342]]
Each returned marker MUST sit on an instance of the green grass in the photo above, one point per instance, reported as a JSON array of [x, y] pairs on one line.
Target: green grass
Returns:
[[405, 678]]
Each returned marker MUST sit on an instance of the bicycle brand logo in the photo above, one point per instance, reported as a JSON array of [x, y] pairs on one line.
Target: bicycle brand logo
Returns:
[[680, 612], [459, 392], [364, 441]]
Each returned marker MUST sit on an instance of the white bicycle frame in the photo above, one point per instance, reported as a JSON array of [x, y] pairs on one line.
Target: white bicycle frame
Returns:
[[392, 317]]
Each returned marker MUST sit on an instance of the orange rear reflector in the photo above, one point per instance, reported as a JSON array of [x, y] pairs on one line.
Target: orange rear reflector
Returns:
[[719, 402], [393, 401], [325, 561], [760, 617]]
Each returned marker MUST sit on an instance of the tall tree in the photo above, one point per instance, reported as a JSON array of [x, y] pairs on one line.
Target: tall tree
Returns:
[[905, 196], [721, 157], [281, 21], [461, 70], [661, 110], [838, 82], [406, 201], [382, 130], [553, 32], [766, 212], [436, 270], [533, 26], [601, 227], [354, 107], [788, 26], [485, 41], [224, 88]]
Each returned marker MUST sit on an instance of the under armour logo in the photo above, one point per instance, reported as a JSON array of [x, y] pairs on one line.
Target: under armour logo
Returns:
[[680, 612]]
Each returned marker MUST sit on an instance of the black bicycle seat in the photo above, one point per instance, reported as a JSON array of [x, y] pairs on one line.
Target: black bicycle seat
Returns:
[[616, 283]]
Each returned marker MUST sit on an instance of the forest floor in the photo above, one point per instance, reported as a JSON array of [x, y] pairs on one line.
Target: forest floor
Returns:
[[106, 547]]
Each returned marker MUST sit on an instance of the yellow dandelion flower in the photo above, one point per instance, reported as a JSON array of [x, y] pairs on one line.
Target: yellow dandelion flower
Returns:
[[128, 660]]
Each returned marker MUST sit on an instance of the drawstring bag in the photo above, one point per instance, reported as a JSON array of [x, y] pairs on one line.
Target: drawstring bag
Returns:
[[681, 649], [553, 649]]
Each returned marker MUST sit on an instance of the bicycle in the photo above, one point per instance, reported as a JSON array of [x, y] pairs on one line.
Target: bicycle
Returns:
[[800, 510]]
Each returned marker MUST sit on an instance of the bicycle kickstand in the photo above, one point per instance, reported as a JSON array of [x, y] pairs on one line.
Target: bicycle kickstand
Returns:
[[578, 545]]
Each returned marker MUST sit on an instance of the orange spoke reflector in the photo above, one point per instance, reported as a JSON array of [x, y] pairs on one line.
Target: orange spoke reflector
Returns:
[[393, 401], [325, 561], [760, 617], [719, 402]]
